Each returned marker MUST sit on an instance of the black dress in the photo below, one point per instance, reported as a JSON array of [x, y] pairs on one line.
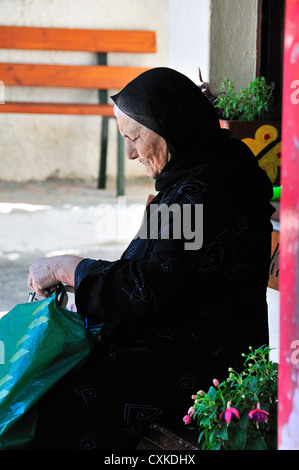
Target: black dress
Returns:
[[172, 318]]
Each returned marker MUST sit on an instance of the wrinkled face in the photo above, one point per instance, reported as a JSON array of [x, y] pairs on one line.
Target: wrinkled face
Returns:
[[144, 144]]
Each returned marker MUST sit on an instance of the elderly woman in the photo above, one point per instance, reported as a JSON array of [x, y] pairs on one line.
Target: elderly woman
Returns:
[[174, 316]]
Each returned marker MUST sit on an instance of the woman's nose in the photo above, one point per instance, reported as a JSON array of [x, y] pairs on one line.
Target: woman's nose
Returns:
[[131, 151]]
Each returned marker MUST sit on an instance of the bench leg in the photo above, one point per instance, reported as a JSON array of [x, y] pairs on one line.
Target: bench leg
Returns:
[[120, 165], [103, 156], [120, 160]]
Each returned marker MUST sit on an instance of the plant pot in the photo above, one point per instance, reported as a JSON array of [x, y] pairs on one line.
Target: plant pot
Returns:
[[264, 140]]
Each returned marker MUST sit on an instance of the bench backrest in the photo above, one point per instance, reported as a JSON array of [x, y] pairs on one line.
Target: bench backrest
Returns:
[[73, 76]]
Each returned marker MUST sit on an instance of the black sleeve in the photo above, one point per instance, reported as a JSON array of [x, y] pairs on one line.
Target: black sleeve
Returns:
[[161, 284]]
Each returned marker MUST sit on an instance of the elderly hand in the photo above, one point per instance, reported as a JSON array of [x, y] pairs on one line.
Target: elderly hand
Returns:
[[45, 274]]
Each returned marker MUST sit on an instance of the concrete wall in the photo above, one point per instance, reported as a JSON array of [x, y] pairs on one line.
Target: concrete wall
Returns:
[[37, 146], [233, 42]]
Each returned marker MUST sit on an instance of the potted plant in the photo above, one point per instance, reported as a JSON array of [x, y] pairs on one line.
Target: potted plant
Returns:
[[252, 116], [241, 412]]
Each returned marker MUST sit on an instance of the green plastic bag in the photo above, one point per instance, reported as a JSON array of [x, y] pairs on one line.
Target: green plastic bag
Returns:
[[42, 342]]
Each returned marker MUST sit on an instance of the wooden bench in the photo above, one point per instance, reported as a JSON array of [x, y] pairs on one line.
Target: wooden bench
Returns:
[[101, 77]]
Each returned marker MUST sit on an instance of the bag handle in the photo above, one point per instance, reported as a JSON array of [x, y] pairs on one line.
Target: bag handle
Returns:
[[60, 294]]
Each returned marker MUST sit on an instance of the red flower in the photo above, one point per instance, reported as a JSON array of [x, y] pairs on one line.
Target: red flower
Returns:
[[258, 414], [187, 419], [229, 412]]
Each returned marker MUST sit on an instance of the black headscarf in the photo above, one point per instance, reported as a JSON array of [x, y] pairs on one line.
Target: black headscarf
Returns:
[[170, 104]]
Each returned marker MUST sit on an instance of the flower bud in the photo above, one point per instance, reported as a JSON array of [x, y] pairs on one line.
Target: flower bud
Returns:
[[187, 419], [216, 383]]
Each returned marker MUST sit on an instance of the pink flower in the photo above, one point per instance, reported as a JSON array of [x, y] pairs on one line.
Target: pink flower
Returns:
[[187, 419], [191, 411], [216, 382], [258, 414], [229, 412]]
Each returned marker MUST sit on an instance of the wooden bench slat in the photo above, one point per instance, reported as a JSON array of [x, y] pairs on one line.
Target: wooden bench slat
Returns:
[[68, 39], [68, 76], [57, 108], [98, 77]]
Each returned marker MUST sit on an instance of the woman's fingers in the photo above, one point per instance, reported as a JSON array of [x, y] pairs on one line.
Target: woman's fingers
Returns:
[[45, 274], [41, 277]]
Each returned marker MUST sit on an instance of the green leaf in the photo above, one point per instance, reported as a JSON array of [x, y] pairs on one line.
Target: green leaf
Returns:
[[205, 422], [244, 421], [212, 393], [237, 439], [258, 444], [212, 413], [217, 445], [211, 436], [223, 433], [200, 436], [241, 439]]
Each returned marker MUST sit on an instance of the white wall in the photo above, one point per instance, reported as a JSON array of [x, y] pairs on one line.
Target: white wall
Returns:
[[219, 36], [273, 300], [39, 146], [189, 37]]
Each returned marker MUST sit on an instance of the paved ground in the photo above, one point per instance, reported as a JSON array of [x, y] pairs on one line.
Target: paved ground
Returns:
[[52, 217]]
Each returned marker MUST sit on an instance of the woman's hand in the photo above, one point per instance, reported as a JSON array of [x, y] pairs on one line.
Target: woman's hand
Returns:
[[45, 274]]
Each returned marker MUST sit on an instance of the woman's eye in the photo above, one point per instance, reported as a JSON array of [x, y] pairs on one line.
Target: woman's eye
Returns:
[[130, 139]]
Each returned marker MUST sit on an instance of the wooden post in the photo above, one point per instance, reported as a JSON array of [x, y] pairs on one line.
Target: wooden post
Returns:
[[288, 387], [103, 98]]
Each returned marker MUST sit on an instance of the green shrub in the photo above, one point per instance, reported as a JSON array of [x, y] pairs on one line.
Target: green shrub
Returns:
[[254, 103]]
